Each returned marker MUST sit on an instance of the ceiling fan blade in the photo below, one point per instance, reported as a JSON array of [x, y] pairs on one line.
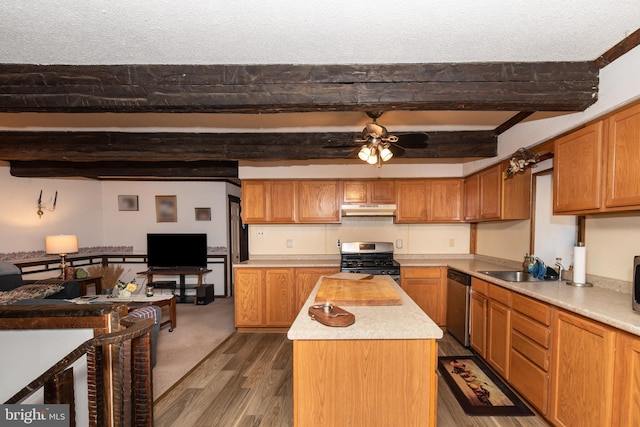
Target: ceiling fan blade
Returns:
[[412, 140], [397, 150]]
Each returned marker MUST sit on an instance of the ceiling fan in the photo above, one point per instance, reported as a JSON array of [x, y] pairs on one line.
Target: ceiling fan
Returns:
[[377, 145]]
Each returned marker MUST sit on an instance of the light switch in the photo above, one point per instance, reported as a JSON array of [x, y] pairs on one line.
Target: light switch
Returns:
[[289, 243]]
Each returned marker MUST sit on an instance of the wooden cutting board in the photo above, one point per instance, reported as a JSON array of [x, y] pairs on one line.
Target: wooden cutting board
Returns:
[[357, 292], [351, 276]]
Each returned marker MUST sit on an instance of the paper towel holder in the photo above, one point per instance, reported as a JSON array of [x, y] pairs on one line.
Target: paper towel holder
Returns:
[[580, 285]]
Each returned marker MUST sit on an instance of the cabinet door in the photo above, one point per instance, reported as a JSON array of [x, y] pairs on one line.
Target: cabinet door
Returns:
[[318, 201], [577, 171], [426, 287], [446, 200], [581, 372], [354, 192], [279, 297], [382, 191], [305, 279], [478, 325], [471, 193], [491, 193], [412, 198], [248, 296], [516, 196], [623, 159], [626, 395], [255, 194], [498, 337], [282, 202]]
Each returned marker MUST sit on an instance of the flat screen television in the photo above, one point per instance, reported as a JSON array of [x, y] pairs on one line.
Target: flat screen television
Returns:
[[176, 250]]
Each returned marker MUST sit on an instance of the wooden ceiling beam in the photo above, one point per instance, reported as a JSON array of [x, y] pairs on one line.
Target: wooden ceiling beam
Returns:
[[175, 170], [546, 86], [189, 147]]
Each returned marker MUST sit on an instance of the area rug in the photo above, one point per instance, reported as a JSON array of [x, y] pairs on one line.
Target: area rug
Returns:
[[478, 390]]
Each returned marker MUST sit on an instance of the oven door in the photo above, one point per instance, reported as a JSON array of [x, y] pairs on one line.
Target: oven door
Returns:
[[394, 274]]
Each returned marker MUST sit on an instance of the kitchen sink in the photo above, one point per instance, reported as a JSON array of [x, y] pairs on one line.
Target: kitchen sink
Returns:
[[513, 276]]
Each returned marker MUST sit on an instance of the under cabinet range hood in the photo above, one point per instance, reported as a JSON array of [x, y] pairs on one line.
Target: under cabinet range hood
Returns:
[[369, 209]]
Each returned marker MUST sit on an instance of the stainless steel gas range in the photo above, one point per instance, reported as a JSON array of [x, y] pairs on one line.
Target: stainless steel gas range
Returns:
[[369, 258]]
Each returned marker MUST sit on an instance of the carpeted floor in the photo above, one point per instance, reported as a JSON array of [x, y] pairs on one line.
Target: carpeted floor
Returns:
[[200, 329]]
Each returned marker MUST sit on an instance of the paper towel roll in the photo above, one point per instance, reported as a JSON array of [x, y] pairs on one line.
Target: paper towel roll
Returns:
[[579, 264]]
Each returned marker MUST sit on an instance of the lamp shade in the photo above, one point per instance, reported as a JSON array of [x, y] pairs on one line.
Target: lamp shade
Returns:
[[61, 244]]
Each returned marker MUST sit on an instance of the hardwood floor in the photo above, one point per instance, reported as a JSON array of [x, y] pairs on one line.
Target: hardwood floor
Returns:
[[247, 381]]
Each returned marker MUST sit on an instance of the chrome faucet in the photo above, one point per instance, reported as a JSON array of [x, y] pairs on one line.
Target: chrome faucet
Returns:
[[560, 268]]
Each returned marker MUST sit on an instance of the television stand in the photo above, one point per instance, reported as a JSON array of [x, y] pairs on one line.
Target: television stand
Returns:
[[182, 272]]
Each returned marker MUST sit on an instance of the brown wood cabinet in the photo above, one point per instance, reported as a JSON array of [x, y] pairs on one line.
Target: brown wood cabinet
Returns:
[[597, 168], [412, 199], [305, 279], [445, 201], [578, 171], [499, 329], [582, 371], [490, 193], [429, 200], [282, 202], [623, 160], [427, 287], [478, 322], [318, 201], [471, 194], [375, 191], [516, 196], [268, 201], [264, 297], [255, 194], [626, 396], [530, 356]]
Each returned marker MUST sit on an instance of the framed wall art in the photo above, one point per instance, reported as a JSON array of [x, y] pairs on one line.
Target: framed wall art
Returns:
[[203, 214], [166, 209], [127, 203]]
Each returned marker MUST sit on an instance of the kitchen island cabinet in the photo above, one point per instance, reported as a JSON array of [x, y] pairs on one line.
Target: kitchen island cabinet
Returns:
[[427, 287], [351, 376]]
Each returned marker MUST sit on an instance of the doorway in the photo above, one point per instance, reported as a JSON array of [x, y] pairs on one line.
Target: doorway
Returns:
[[238, 238]]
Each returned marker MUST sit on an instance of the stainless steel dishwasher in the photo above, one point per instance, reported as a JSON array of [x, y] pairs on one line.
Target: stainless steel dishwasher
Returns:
[[458, 305]]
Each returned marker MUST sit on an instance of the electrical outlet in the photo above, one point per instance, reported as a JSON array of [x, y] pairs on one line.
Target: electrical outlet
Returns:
[[289, 243], [399, 243], [452, 242], [260, 234]]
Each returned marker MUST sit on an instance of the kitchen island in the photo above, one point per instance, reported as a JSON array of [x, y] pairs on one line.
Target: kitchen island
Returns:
[[380, 371]]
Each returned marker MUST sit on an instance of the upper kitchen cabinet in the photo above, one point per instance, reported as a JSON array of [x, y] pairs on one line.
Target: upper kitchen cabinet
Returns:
[[318, 201], [471, 193], [429, 200], [445, 203], [268, 201], [412, 197], [597, 168], [379, 191], [623, 160], [577, 171], [489, 196]]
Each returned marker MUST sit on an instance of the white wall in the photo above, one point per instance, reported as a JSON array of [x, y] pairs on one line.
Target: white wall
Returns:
[[78, 211]]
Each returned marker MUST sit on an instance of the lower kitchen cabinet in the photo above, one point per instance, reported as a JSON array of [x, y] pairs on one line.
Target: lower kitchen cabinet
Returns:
[[582, 372], [499, 329], [530, 355], [478, 317], [264, 297], [626, 395], [427, 287], [305, 279]]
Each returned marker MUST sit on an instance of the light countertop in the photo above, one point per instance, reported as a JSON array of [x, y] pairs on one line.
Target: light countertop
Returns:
[[607, 306], [406, 321]]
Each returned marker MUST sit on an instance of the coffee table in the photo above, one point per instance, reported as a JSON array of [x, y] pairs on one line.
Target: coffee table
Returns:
[[135, 301]]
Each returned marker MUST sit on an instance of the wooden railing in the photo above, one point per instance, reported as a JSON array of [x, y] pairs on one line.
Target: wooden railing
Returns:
[[119, 375]]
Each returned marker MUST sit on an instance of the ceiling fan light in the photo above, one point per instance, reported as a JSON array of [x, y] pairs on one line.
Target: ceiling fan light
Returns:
[[373, 159], [386, 154], [364, 153]]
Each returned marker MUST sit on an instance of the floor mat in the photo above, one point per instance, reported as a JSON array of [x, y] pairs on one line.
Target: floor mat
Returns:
[[478, 390]]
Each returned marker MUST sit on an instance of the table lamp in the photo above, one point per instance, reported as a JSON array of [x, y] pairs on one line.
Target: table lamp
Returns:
[[62, 245]]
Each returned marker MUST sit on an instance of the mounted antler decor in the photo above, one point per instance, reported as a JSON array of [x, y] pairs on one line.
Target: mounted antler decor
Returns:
[[42, 207], [520, 160]]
